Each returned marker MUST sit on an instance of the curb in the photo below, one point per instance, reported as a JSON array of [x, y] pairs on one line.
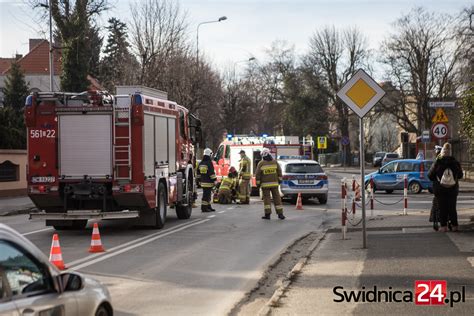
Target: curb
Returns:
[[19, 211], [290, 277]]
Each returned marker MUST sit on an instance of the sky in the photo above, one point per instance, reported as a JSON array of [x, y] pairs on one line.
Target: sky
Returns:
[[251, 25]]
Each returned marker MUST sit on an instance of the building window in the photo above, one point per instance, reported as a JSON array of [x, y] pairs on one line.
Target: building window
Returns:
[[9, 171]]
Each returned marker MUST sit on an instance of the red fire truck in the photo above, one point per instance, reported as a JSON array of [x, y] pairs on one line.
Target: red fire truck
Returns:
[[95, 155], [227, 154]]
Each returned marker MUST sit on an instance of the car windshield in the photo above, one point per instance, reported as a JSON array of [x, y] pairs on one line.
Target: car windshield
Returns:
[[303, 168], [392, 156]]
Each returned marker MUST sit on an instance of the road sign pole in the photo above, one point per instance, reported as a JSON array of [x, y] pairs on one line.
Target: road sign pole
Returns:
[[362, 181]]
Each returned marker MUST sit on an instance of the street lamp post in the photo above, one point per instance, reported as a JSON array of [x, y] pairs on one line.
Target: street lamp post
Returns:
[[51, 64], [243, 61], [222, 18]]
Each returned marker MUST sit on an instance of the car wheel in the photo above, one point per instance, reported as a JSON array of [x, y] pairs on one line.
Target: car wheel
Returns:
[[184, 211], [323, 199], [160, 209], [102, 311], [414, 187], [389, 191]]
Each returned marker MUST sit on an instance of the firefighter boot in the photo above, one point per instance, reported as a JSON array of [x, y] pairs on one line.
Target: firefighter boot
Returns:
[[281, 216], [266, 216], [205, 208]]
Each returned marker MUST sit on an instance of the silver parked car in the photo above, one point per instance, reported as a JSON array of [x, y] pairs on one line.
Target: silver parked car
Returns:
[[306, 177], [30, 285], [389, 157]]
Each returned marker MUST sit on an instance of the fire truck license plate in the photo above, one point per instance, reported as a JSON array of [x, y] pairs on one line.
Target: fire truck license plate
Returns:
[[43, 179], [305, 181]]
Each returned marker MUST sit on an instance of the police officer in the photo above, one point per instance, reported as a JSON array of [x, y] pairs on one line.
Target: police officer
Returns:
[[227, 187], [268, 176], [244, 177], [207, 178]]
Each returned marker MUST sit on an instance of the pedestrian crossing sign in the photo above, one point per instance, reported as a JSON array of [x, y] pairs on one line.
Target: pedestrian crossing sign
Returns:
[[322, 142], [440, 116]]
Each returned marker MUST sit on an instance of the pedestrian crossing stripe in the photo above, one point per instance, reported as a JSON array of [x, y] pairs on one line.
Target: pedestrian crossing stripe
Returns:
[[440, 116]]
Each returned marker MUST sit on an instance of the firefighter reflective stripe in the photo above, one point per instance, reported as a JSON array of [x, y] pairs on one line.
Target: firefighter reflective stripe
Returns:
[[213, 176], [269, 184], [203, 169], [207, 185], [226, 184], [205, 203]]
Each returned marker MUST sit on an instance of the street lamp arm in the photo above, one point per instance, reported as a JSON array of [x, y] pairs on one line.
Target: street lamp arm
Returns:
[[222, 18]]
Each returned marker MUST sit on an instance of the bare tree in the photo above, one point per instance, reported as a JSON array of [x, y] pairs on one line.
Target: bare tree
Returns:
[[335, 55], [421, 57], [158, 30]]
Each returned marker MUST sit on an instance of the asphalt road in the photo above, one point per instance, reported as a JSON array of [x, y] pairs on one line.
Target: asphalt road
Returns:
[[200, 266]]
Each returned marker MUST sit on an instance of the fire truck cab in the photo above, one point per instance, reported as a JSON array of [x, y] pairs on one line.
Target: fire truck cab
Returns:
[[96, 155]]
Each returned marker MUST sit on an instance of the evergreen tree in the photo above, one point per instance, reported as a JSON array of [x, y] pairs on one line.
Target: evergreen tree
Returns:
[[94, 41], [16, 89], [12, 127], [74, 20], [117, 62]]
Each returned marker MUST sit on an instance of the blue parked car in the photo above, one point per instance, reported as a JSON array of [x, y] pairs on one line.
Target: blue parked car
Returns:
[[390, 176]]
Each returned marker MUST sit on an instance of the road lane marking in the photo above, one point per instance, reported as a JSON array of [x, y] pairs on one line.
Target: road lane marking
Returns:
[[38, 231], [221, 212], [211, 216], [79, 261], [133, 246]]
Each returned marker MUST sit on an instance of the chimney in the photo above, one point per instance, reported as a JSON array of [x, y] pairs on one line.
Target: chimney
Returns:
[[34, 42]]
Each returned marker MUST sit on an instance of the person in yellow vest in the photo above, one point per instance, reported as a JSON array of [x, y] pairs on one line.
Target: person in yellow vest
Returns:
[[227, 188], [244, 178], [268, 176]]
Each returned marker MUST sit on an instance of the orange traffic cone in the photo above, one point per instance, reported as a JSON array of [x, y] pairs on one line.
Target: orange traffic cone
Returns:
[[55, 256], [96, 243], [299, 202]]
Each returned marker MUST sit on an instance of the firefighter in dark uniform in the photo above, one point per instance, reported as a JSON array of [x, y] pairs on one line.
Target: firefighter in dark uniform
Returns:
[[244, 177], [268, 176], [207, 178]]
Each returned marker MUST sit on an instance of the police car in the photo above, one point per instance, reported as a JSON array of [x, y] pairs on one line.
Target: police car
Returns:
[[303, 176]]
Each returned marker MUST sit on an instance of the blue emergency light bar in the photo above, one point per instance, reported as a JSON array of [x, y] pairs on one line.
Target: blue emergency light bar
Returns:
[[294, 157]]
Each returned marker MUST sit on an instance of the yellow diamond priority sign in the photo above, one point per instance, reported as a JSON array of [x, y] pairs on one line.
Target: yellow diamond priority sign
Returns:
[[361, 93]]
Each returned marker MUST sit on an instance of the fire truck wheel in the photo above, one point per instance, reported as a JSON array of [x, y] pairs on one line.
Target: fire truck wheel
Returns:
[[184, 211], [160, 210]]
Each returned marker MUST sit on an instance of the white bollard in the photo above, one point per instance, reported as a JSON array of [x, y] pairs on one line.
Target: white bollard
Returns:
[[405, 195]]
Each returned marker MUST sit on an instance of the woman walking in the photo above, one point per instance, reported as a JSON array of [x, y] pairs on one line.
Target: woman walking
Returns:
[[445, 173]]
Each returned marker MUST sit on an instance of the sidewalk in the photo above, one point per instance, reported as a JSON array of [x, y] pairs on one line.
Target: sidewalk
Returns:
[[15, 205], [400, 250]]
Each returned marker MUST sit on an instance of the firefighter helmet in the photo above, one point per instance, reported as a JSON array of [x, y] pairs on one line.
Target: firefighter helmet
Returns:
[[265, 152], [207, 152]]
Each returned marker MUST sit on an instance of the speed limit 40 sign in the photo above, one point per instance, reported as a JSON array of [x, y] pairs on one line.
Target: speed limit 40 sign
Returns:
[[440, 130]]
